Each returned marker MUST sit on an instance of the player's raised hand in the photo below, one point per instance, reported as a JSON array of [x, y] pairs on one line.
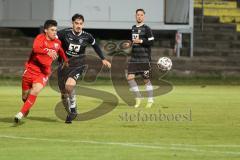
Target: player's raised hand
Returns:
[[53, 54], [106, 63]]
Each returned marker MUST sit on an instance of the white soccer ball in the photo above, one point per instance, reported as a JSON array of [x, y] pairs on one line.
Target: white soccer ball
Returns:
[[164, 63]]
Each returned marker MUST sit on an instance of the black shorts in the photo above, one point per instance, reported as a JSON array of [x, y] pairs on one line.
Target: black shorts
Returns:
[[66, 72], [140, 68]]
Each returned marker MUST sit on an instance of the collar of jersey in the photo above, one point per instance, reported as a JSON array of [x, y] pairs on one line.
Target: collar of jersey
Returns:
[[139, 25], [78, 34]]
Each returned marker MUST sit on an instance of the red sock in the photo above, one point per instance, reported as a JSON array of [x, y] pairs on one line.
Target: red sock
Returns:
[[28, 103]]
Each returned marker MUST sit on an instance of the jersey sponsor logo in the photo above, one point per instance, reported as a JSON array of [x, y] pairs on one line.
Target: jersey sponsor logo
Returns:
[[135, 36], [74, 48]]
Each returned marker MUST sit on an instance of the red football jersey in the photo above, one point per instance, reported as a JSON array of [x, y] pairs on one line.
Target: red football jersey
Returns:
[[40, 61]]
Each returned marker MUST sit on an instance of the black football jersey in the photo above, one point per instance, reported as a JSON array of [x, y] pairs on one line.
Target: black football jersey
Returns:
[[75, 45], [142, 52]]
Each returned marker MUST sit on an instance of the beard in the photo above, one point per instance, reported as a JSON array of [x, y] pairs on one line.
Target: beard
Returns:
[[77, 30], [139, 21]]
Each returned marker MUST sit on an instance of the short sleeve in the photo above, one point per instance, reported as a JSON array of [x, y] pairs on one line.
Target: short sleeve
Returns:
[[91, 39], [149, 34]]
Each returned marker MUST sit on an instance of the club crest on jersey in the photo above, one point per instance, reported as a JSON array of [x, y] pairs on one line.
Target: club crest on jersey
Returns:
[[80, 41], [56, 45], [139, 31]]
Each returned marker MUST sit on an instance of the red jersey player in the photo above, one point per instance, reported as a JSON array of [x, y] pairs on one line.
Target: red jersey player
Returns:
[[46, 48]]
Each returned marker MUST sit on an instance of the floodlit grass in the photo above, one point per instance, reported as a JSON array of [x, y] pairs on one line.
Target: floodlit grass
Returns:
[[210, 131]]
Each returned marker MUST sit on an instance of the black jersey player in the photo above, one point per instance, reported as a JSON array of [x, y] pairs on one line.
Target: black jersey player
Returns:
[[139, 64], [74, 42]]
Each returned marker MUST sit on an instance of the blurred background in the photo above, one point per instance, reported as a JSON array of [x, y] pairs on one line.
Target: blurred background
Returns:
[[200, 36]]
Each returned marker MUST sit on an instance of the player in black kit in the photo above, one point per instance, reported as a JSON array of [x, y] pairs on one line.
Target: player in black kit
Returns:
[[74, 42], [139, 64]]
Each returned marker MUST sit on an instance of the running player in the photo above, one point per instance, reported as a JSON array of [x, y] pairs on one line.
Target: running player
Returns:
[[139, 64], [46, 48], [74, 42]]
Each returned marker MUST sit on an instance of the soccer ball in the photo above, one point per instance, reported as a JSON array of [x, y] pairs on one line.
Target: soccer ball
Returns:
[[164, 63]]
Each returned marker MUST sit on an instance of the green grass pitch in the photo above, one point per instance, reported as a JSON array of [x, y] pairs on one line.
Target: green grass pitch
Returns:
[[212, 130]]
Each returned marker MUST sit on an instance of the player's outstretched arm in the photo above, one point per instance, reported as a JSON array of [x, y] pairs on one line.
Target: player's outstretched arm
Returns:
[[106, 63], [100, 54]]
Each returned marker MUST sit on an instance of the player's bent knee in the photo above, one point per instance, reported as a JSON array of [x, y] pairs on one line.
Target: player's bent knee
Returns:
[[36, 89], [69, 88], [130, 77], [146, 81]]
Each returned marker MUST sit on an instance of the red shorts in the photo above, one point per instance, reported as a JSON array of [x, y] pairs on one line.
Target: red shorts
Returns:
[[28, 79]]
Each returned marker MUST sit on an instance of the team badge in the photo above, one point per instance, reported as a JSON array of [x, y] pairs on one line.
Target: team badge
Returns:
[[80, 41], [56, 45]]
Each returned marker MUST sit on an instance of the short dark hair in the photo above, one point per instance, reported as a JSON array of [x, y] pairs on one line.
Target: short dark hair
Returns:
[[49, 23], [77, 16], [140, 9]]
